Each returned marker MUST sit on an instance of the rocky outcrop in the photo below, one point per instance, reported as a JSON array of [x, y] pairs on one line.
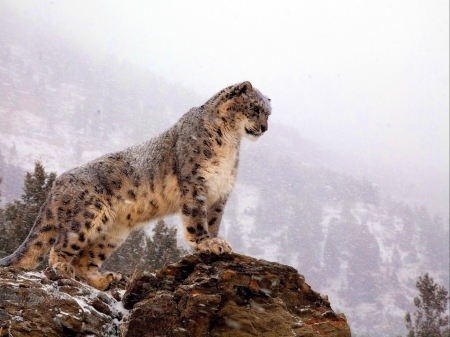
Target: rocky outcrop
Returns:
[[201, 295], [47, 304], [230, 296]]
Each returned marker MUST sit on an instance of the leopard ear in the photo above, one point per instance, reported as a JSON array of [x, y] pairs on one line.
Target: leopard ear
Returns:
[[239, 89], [243, 87]]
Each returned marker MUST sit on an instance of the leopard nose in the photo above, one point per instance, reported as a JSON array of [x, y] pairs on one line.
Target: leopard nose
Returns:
[[263, 128]]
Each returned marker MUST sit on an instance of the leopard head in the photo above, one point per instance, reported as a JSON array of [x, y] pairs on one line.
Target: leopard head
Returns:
[[246, 109]]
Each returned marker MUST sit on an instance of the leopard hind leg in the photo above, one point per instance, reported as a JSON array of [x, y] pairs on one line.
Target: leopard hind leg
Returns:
[[88, 262]]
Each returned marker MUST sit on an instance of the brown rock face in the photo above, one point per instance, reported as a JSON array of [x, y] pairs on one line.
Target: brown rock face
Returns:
[[229, 295], [47, 304], [201, 295]]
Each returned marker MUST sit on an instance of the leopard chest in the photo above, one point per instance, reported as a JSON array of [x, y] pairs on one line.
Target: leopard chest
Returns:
[[220, 174]]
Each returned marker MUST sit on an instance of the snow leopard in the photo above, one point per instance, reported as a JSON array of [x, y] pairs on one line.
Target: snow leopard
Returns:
[[189, 169]]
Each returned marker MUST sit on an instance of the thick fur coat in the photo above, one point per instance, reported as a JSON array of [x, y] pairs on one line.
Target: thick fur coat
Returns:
[[189, 169]]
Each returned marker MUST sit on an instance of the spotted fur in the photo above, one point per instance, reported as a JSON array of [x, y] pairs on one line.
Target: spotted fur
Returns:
[[189, 169]]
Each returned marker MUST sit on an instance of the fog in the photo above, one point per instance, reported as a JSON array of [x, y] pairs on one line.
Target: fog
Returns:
[[369, 79]]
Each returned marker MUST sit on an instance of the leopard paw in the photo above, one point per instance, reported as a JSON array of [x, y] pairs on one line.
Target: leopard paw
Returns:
[[113, 276], [65, 268], [214, 246]]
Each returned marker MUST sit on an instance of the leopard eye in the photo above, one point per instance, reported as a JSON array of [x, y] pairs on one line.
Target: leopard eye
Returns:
[[256, 109]]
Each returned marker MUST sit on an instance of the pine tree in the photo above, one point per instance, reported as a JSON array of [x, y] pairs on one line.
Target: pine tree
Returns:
[[429, 318], [36, 187], [129, 256], [139, 252], [162, 249], [18, 216]]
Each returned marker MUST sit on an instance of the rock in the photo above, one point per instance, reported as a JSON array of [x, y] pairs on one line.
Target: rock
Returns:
[[47, 304], [201, 295], [228, 295]]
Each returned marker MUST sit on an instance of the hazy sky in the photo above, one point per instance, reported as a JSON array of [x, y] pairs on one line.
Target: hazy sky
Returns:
[[368, 77]]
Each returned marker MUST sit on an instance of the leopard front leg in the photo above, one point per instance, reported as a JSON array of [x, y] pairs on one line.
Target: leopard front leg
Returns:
[[214, 216], [195, 221]]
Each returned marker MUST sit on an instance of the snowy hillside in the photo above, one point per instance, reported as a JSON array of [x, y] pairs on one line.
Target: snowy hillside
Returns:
[[365, 257]]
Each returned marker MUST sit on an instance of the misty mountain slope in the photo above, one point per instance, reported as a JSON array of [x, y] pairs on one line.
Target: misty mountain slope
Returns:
[[49, 87], [62, 107], [352, 241], [365, 257], [293, 202], [11, 177]]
